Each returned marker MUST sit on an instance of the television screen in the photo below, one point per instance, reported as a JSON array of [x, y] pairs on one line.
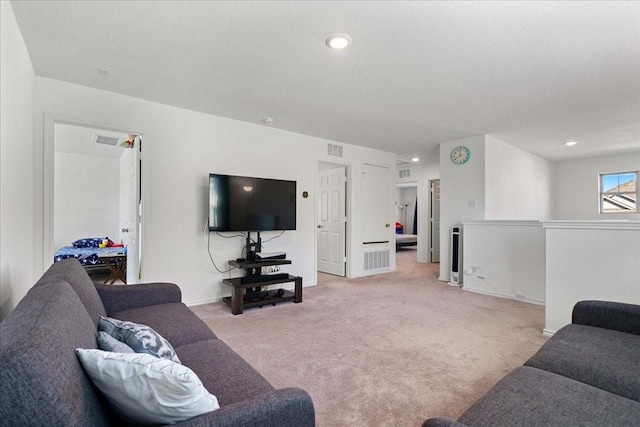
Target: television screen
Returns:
[[241, 203]]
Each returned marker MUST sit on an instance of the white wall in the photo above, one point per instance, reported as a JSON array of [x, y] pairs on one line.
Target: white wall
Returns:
[[498, 182], [123, 205], [505, 258], [460, 187], [398, 196], [589, 261], [576, 193], [518, 184], [181, 148], [87, 198], [16, 163]]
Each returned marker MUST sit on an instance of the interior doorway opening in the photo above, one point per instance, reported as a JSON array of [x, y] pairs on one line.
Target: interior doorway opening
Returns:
[[407, 224], [434, 220], [93, 189]]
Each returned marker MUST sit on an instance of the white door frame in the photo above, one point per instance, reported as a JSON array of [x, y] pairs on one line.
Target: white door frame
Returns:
[[50, 120], [332, 225], [431, 222], [349, 210]]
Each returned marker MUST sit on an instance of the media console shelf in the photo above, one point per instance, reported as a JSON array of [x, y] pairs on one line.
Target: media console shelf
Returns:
[[237, 302]]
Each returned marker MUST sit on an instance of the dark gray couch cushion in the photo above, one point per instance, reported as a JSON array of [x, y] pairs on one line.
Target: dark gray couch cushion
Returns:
[[120, 298], [599, 357], [285, 407], [43, 382], [533, 397], [70, 270], [169, 320], [223, 372], [609, 315]]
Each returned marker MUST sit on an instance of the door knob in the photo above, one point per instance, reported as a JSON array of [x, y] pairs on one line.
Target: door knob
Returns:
[[319, 226], [125, 230]]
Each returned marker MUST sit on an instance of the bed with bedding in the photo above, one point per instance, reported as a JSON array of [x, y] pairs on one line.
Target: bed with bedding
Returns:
[[86, 250], [403, 240]]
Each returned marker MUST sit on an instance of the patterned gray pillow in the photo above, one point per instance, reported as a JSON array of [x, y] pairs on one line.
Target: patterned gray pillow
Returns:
[[141, 338], [108, 343]]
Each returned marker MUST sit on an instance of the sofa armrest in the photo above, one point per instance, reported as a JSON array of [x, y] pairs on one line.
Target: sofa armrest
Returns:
[[286, 407], [609, 315], [118, 298]]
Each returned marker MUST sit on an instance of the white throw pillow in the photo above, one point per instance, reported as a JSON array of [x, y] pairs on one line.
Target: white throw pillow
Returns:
[[146, 389]]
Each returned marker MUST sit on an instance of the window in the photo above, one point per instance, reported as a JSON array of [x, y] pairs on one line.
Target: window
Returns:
[[619, 192]]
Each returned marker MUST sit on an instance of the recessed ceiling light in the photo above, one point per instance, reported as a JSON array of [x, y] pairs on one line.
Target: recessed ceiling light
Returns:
[[103, 71], [339, 41], [415, 159], [570, 143], [268, 120]]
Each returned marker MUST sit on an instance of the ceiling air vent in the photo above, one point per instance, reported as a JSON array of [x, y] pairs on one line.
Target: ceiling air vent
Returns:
[[334, 150], [106, 140], [404, 173]]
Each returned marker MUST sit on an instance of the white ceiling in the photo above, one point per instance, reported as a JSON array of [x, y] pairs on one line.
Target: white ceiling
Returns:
[[532, 74]]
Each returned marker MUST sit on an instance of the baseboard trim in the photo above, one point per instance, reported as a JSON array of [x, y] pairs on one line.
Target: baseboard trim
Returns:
[[505, 296], [548, 333], [197, 303]]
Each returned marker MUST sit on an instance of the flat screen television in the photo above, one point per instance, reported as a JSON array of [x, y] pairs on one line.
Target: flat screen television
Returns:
[[242, 203]]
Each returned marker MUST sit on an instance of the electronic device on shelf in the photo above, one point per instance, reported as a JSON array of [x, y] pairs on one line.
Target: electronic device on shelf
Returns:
[[257, 294], [268, 256]]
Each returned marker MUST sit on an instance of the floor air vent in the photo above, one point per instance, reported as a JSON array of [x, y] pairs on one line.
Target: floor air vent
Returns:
[[376, 259]]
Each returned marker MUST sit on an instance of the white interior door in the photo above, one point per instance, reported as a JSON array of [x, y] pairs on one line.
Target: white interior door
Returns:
[[435, 220], [375, 204], [132, 224], [332, 221]]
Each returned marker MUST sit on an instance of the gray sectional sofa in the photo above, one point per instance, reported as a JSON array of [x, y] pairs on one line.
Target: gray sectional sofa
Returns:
[[43, 382], [587, 374]]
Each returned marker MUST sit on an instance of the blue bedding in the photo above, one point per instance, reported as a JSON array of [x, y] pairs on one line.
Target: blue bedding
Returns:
[[87, 256]]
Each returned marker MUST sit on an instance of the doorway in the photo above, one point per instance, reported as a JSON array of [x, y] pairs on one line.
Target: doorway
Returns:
[[93, 189], [332, 219], [407, 225], [434, 220]]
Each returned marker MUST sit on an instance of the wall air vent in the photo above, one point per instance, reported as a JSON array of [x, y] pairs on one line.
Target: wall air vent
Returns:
[[334, 150], [404, 173], [376, 259], [106, 140]]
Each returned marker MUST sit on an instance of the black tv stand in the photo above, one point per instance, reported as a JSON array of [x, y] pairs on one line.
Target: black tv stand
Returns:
[[253, 283], [253, 246], [259, 278]]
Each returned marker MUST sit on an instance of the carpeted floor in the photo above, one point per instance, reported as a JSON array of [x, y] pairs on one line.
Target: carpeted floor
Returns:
[[388, 350]]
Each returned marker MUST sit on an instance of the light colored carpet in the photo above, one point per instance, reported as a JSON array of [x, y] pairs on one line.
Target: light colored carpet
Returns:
[[389, 350]]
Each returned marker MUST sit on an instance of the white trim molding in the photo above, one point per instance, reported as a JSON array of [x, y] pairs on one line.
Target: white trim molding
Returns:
[[604, 224], [504, 223]]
